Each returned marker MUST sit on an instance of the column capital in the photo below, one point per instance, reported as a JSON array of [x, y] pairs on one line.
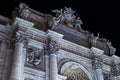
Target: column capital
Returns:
[[21, 39], [97, 63], [116, 70], [51, 47]]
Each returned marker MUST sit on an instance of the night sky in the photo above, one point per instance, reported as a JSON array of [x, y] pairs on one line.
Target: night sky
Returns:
[[98, 16]]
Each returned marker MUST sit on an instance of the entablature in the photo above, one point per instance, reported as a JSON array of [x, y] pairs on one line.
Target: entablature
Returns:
[[41, 36]]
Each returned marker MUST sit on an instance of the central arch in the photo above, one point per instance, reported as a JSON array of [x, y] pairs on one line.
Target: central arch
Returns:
[[75, 71]]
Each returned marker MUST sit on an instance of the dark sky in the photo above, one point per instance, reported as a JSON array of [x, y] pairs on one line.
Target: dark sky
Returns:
[[98, 16]]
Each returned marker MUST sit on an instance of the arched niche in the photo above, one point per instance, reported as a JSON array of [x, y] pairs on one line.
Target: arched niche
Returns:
[[75, 71]]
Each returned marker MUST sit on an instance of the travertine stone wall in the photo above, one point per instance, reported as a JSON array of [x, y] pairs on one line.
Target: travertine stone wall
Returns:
[[68, 51]]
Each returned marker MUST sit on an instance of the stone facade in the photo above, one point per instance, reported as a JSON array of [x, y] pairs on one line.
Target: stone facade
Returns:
[[36, 46]]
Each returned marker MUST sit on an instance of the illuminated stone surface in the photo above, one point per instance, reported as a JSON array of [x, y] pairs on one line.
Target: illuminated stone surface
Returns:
[[37, 46]]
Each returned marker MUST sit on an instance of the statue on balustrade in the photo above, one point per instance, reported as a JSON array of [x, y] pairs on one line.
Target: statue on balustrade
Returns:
[[112, 50], [67, 17]]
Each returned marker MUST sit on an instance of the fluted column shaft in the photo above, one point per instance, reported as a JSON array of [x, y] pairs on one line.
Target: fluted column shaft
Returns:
[[99, 74], [17, 62], [47, 67], [2, 48], [53, 67]]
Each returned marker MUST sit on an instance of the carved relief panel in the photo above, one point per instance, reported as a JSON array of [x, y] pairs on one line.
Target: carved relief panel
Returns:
[[34, 57]]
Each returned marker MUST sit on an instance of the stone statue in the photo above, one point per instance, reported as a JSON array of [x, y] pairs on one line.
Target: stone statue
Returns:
[[54, 22], [36, 61], [65, 16], [69, 14], [77, 24], [30, 55], [22, 6], [111, 48], [24, 11], [93, 40], [25, 14]]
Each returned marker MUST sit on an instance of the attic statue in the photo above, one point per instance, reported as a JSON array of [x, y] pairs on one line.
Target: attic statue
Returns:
[[111, 48], [66, 17], [77, 24]]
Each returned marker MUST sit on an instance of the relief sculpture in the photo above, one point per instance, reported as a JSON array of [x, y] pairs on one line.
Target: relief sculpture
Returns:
[[33, 57]]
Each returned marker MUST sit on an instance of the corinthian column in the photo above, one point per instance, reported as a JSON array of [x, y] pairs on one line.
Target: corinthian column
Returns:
[[53, 67], [47, 67], [97, 64], [17, 64], [51, 49]]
